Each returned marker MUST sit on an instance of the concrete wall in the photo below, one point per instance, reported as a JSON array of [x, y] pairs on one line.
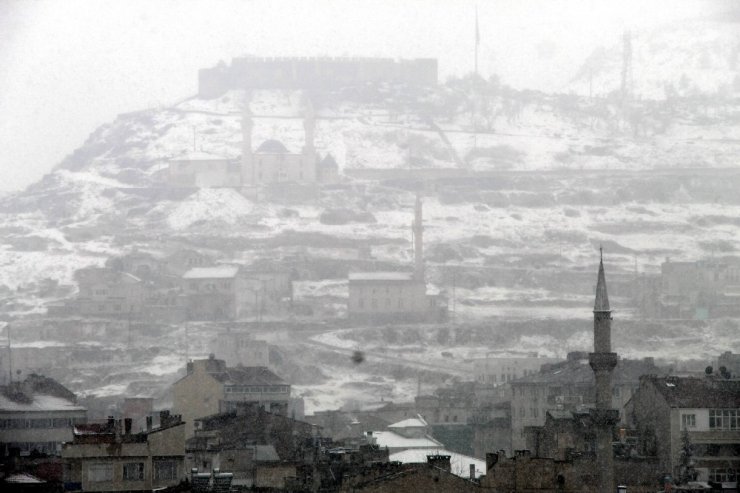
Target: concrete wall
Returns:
[[196, 395]]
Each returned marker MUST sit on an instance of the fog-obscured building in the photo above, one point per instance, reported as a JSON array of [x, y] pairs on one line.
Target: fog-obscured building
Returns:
[[379, 297], [317, 73]]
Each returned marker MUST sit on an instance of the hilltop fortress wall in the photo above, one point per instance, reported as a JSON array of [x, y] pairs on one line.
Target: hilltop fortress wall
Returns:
[[306, 73]]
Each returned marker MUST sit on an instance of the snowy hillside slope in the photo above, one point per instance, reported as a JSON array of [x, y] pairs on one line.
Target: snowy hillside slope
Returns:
[[560, 178], [690, 59]]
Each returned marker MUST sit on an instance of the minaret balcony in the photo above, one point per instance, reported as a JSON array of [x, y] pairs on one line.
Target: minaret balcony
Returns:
[[604, 417], [602, 361]]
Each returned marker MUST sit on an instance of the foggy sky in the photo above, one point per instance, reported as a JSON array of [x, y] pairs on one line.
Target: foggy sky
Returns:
[[68, 66]]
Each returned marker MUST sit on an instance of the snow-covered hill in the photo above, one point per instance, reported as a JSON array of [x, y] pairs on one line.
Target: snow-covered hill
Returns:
[[696, 58]]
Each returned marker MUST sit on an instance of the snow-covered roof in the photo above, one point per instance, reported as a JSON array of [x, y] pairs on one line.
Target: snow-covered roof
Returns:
[[393, 440], [381, 276], [216, 272], [410, 423], [459, 463], [40, 402]]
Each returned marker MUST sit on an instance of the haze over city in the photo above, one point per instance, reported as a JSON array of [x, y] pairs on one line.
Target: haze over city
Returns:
[[370, 246]]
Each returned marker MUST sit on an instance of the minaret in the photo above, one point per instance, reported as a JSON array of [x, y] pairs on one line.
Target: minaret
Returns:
[[309, 151], [603, 362], [418, 230], [248, 172]]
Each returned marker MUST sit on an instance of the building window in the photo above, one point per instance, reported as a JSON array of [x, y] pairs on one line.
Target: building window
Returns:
[[165, 470], [724, 419], [688, 421], [99, 472], [723, 475], [133, 471], [521, 412]]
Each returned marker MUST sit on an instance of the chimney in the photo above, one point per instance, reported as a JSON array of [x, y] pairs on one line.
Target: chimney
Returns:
[[148, 423], [491, 460], [127, 422], [472, 472]]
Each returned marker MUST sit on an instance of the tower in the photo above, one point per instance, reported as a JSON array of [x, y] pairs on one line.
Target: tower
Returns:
[[309, 127], [603, 362], [418, 230], [308, 155], [627, 80], [247, 156]]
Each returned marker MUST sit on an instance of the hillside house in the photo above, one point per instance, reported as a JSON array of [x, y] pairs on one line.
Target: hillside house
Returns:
[[181, 261], [698, 290], [110, 457], [707, 410], [106, 292], [210, 387], [37, 414], [238, 348], [217, 293]]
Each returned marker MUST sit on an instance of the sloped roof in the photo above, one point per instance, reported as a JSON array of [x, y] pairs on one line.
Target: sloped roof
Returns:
[[249, 375], [39, 402], [702, 393], [272, 146], [391, 439], [459, 463], [215, 272], [410, 423]]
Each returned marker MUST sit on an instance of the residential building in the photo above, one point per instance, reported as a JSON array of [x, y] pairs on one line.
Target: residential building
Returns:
[[671, 412], [217, 293], [210, 387], [408, 434], [702, 289], [569, 385], [109, 457], [247, 440], [496, 369], [37, 415], [106, 292]]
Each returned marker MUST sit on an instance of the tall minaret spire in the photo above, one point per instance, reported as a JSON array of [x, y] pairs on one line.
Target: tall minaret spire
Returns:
[[603, 362], [247, 158], [418, 240]]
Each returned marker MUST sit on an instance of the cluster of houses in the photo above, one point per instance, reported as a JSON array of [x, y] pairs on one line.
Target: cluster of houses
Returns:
[[533, 429], [190, 285], [186, 285], [696, 290]]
